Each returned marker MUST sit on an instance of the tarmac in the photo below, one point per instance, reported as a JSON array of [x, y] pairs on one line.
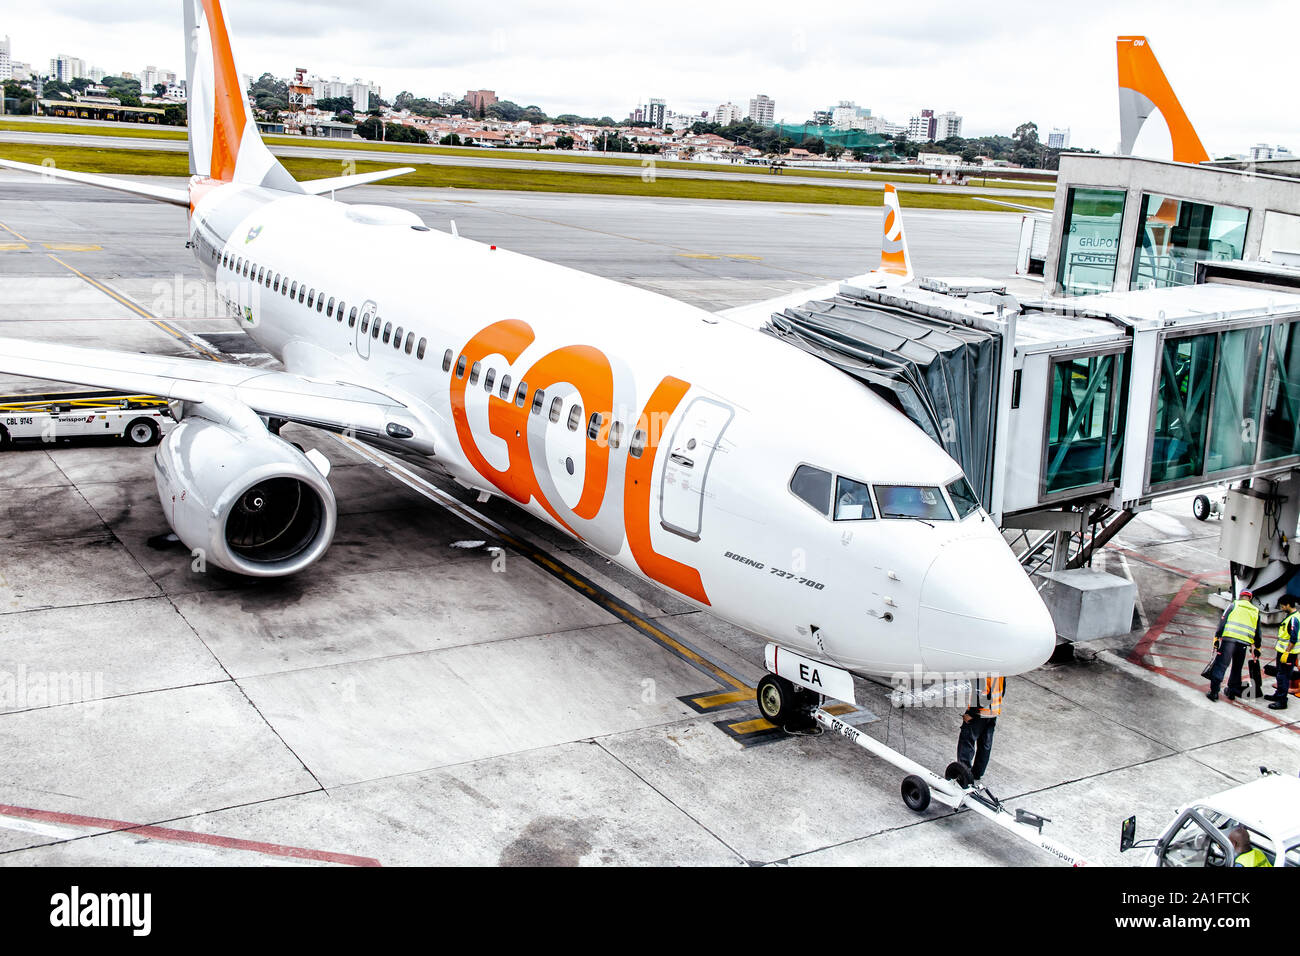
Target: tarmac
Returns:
[[455, 683]]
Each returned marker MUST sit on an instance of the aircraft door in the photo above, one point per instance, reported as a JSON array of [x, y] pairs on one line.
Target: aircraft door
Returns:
[[686, 468], [369, 315]]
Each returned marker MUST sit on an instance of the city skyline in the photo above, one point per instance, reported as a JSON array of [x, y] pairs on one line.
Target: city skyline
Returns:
[[933, 57]]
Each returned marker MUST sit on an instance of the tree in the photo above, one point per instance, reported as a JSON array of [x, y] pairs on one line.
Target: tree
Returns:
[[160, 90], [336, 104], [451, 139], [835, 151], [80, 83], [564, 142], [175, 115], [815, 146], [860, 154]]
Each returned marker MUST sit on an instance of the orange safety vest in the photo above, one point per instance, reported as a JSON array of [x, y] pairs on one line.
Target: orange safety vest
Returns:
[[990, 699]]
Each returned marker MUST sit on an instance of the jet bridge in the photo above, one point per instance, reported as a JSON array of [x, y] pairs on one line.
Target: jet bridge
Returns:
[[1100, 405]]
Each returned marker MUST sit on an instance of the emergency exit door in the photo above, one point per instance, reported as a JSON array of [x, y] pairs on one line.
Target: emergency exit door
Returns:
[[686, 467]]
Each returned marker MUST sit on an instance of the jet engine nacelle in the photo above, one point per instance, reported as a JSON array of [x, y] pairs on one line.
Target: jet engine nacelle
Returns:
[[249, 501]]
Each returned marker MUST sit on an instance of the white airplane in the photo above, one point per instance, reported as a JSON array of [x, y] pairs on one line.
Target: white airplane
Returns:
[[736, 472]]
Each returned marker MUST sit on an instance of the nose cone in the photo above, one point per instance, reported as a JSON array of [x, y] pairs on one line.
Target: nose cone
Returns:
[[979, 612]]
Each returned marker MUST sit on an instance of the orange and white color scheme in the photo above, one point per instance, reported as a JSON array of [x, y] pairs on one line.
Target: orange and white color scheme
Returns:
[[1143, 89], [740, 474]]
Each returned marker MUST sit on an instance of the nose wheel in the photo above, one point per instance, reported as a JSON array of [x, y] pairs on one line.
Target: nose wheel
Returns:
[[781, 702]]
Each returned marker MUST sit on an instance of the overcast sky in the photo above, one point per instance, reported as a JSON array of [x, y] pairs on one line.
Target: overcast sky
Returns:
[[997, 63]]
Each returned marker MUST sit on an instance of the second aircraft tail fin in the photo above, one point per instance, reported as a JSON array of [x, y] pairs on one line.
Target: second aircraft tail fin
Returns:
[[1143, 88]]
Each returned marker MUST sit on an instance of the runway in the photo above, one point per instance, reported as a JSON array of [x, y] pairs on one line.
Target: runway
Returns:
[[417, 156], [436, 693]]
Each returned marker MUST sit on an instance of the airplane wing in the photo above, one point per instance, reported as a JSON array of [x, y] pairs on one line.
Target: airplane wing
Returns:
[[895, 269], [177, 197], [336, 406], [1038, 211]]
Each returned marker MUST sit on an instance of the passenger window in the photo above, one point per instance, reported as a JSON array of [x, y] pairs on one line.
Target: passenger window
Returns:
[[302, 294], [812, 485], [538, 397], [575, 417], [446, 360], [365, 324], [489, 380], [460, 367], [410, 341], [615, 434], [521, 394], [397, 337], [419, 353], [474, 371], [852, 500], [556, 405], [352, 318], [276, 286], [293, 292], [311, 298], [338, 315], [320, 303], [329, 309], [388, 331], [260, 273], [593, 426], [638, 444], [374, 329], [505, 387]]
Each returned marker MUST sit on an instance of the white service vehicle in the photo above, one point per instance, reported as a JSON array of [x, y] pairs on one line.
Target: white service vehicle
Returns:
[[136, 419], [1198, 834]]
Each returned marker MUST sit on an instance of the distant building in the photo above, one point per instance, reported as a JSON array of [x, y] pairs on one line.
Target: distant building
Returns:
[[821, 117], [1262, 151], [946, 125], [920, 129], [448, 99], [66, 68], [481, 99], [6, 64], [1058, 139], [848, 115], [655, 113], [762, 109], [22, 72], [727, 113]]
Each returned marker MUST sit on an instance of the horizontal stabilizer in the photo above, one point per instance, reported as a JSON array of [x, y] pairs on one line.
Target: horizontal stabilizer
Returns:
[[177, 197], [1036, 210], [318, 187]]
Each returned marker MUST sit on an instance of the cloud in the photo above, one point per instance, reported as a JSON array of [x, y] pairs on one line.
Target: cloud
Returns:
[[998, 63]]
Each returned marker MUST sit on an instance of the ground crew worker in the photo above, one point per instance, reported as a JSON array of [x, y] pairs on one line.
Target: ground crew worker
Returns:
[[1288, 639], [1238, 629], [1246, 853], [978, 723]]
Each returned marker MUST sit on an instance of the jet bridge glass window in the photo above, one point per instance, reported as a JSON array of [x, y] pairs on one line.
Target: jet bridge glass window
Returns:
[[1174, 233], [1090, 240], [812, 485], [912, 501], [1238, 389], [963, 499], [1182, 408], [1085, 428], [852, 500], [1282, 400]]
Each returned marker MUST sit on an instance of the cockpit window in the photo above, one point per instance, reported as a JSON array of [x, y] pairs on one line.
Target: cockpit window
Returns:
[[912, 501], [813, 486], [852, 500], [963, 499]]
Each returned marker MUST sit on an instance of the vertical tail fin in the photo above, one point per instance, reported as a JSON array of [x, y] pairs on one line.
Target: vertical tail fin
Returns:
[[1144, 88], [895, 260], [224, 142]]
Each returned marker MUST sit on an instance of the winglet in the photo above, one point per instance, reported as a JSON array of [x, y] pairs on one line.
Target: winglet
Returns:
[[895, 260], [1144, 88], [224, 142]]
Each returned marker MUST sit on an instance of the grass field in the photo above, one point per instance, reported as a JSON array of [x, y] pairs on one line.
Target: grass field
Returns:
[[548, 156], [163, 163]]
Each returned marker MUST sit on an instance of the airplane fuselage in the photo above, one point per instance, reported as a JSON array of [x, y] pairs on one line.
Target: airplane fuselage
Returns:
[[663, 438]]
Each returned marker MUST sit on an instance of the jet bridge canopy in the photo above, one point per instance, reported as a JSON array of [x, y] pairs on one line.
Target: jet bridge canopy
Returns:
[[943, 375]]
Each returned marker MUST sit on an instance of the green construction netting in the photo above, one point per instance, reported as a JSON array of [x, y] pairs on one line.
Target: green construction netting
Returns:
[[848, 138]]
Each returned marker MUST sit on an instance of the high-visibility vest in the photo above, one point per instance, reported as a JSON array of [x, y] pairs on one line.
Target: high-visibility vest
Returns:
[[1286, 645], [1242, 623], [1252, 857], [990, 699]]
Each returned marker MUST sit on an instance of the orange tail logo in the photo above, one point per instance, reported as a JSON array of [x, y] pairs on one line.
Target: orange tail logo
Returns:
[[1143, 89]]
